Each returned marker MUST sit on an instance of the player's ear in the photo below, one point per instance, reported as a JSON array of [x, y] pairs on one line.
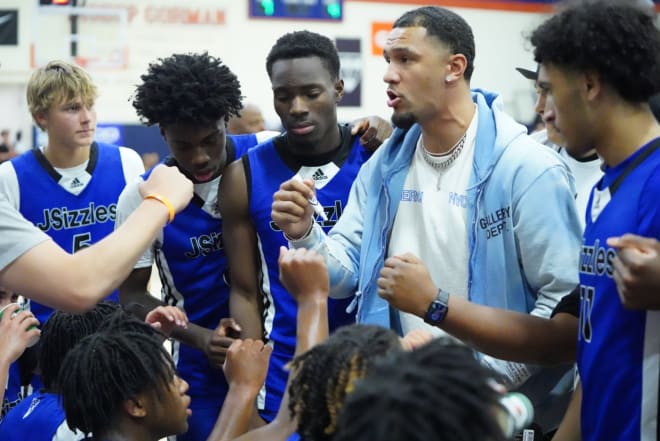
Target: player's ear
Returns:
[[41, 119], [339, 90], [136, 407]]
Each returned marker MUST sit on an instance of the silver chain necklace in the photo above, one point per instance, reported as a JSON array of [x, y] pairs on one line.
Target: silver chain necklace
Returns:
[[451, 157]]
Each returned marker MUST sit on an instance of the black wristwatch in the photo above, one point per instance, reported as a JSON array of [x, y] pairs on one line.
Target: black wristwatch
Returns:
[[438, 308]]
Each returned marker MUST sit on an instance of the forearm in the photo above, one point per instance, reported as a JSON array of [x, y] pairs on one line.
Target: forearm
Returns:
[[77, 282], [235, 415], [139, 304], [311, 329], [244, 308], [113, 258], [342, 269], [511, 335], [273, 431], [312, 324], [194, 335], [569, 429]]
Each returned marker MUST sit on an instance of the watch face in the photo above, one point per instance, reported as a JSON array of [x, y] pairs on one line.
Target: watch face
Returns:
[[436, 312]]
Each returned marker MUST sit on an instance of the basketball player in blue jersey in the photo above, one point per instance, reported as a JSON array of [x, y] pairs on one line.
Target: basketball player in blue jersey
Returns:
[[69, 187], [191, 97], [304, 71], [600, 96]]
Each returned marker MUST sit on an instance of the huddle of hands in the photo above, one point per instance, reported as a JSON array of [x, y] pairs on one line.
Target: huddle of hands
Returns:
[[305, 276]]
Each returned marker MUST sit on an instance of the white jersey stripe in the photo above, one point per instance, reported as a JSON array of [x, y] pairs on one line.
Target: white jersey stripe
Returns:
[[269, 313], [169, 294]]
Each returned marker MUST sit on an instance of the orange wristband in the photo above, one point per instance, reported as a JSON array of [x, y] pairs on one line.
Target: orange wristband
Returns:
[[162, 199]]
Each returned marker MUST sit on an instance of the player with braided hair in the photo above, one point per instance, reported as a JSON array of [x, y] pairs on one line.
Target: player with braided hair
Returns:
[[439, 391], [320, 375], [122, 384], [327, 373]]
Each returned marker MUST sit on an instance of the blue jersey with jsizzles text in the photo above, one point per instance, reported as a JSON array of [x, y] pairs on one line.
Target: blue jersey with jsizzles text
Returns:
[[73, 221], [265, 171], [618, 348], [193, 267]]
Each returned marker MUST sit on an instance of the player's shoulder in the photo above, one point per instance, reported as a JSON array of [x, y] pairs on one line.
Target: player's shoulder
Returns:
[[7, 170], [129, 154]]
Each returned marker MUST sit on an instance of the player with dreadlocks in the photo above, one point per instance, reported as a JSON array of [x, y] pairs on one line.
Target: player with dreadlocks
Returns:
[[40, 416], [439, 391], [122, 384]]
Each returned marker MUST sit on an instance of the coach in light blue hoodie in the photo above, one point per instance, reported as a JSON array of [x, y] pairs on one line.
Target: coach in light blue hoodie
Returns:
[[527, 267], [521, 233]]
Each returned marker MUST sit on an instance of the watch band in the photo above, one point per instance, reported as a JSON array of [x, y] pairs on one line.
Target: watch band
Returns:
[[438, 308]]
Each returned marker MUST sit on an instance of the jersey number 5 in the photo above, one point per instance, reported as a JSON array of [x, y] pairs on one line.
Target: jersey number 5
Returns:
[[81, 241]]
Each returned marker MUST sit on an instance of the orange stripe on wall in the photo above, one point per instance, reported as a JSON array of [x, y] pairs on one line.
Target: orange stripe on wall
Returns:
[[475, 4]]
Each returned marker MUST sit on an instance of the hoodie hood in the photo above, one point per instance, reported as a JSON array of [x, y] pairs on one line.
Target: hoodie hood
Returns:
[[496, 130]]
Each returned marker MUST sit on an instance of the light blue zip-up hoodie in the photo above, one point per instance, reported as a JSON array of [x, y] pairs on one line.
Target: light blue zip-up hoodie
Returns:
[[524, 234]]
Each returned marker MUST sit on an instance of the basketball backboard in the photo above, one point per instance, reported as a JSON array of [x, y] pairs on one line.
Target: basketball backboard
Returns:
[[94, 38]]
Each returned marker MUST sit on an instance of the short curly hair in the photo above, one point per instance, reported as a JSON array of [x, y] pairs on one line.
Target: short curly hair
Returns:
[[617, 40], [187, 88], [301, 44]]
